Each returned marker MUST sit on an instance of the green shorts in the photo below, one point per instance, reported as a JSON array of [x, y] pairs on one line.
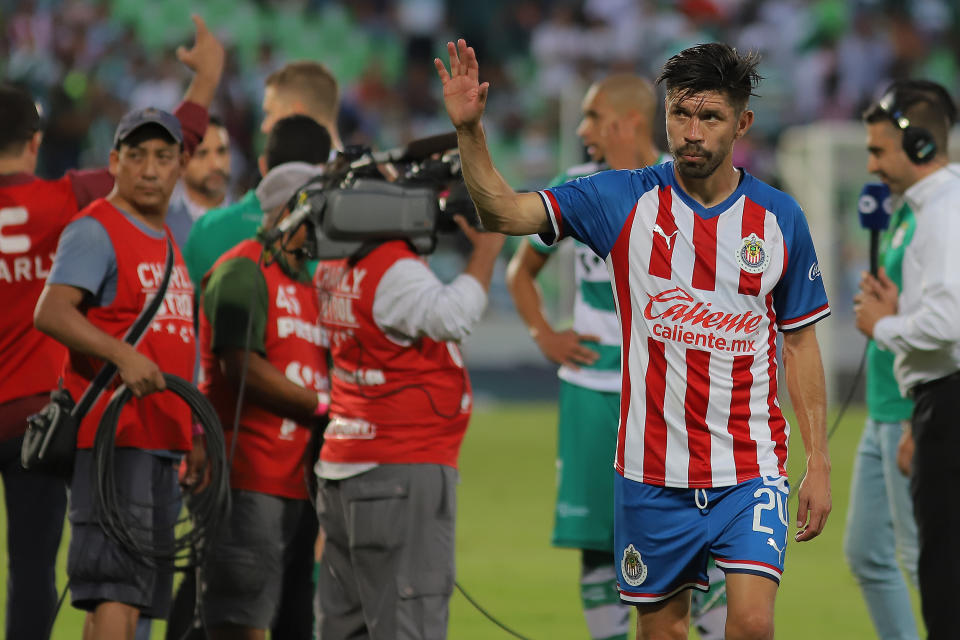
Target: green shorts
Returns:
[[586, 446]]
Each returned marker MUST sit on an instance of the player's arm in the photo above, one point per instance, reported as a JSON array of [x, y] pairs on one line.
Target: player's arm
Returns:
[[560, 347], [58, 315], [807, 387], [500, 207], [226, 303]]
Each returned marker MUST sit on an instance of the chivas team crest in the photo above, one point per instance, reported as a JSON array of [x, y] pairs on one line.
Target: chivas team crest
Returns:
[[752, 255], [632, 567]]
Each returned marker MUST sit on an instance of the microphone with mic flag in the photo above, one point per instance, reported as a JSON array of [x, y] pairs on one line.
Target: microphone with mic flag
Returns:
[[874, 207]]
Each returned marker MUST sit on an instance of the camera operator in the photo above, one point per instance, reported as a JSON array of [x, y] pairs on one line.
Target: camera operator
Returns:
[[401, 402]]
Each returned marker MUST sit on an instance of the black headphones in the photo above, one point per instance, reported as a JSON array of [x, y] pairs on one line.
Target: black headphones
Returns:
[[918, 143]]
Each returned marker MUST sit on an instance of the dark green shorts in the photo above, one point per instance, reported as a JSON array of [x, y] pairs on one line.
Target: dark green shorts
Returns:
[[586, 446]]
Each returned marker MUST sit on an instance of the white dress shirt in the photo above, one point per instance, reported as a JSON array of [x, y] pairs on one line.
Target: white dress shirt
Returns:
[[924, 335]]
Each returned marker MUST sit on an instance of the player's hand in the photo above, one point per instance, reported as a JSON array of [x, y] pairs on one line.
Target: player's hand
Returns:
[[487, 242], [905, 451], [566, 347], [463, 95], [140, 373], [814, 498], [196, 474], [207, 55]]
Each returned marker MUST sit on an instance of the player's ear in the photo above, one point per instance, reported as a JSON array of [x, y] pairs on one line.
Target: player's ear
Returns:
[[744, 122]]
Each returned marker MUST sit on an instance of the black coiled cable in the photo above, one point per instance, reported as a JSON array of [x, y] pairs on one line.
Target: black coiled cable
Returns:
[[208, 508]]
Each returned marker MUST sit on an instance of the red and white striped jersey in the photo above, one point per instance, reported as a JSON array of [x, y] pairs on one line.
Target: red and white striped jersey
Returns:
[[700, 293]]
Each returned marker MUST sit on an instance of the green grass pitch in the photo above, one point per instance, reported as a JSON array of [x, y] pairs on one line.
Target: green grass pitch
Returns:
[[505, 561]]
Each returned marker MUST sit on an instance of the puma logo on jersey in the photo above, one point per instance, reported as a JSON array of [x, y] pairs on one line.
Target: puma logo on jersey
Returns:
[[772, 543], [666, 238]]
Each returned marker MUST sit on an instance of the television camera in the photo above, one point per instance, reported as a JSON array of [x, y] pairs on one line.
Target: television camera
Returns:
[[353, 205]]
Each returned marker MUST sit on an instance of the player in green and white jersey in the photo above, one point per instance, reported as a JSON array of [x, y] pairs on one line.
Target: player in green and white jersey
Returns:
[[617, 130]]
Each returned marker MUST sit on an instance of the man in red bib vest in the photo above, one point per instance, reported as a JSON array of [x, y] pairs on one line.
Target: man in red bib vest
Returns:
[[401, 401], [260, 565], [33, 212], [110, 259]]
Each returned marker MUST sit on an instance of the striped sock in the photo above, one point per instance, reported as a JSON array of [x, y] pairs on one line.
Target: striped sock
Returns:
[[607, 618]]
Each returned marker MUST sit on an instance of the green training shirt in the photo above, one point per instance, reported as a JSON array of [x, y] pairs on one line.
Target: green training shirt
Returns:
[[594, 309], [884, 402], [218, 231]]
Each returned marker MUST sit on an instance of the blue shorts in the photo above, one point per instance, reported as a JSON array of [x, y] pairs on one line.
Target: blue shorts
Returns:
[[663, 536]]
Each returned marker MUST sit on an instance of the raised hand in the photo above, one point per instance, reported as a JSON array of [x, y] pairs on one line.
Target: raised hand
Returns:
[[463, 95], [207, 56]]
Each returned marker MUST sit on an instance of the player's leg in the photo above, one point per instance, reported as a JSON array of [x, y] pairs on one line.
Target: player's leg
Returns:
[[607, 618], [583, 519], [661, 545], [665, 620], [869, 539], [750, 606], [708, 609], [750, 548]]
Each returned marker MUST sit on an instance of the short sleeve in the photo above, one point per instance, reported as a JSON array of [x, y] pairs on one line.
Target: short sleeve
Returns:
[[799, 298], [85, 259], [228, 305], [592, 209]]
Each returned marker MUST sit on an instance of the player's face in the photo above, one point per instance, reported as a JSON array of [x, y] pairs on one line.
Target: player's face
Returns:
[[886, 158], [146, 173], [208, 170], [598, 127], [275, 107], [701, 129]]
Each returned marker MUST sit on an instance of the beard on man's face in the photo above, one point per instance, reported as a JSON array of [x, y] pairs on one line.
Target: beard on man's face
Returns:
[[701, 165]]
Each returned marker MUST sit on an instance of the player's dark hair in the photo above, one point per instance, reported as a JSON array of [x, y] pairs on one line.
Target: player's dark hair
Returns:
[[714, 66], [19, 119], [928, 106], [149, 131], [297, 138], [216, 121]]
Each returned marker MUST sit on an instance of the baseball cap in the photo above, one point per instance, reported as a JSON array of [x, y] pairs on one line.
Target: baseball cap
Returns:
[[281, 183], [133, 120]]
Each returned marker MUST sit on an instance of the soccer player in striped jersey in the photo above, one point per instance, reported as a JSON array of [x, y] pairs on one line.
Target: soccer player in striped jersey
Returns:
[[708, 264], [617, 131]]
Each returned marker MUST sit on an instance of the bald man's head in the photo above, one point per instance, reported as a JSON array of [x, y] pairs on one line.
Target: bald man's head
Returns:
[[617, 124], [626, 92]]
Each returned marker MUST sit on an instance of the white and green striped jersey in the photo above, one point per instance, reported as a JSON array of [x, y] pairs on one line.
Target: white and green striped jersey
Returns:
[[594, 311]]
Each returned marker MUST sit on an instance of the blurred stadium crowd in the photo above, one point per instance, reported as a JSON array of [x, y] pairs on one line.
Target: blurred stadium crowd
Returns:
[[89, 61]]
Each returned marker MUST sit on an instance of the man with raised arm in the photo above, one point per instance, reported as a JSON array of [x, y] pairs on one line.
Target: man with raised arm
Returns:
[[698, 252]]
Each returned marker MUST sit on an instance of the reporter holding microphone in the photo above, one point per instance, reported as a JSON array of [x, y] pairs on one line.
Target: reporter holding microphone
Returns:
[[907, 131], [880, 526]]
